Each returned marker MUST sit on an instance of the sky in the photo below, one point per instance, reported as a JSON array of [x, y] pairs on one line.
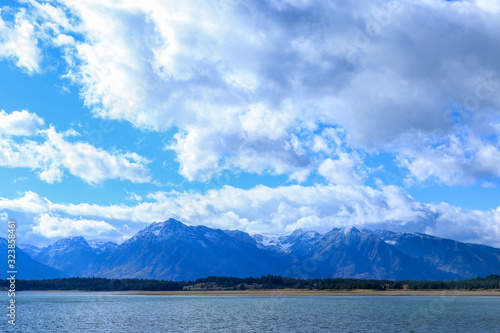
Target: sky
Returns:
[[260, 116]]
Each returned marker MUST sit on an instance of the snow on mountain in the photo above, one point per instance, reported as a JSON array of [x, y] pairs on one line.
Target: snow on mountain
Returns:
[[30, 250], [100, 247]]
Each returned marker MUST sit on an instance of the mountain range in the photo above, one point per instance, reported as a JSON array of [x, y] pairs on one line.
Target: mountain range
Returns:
[[171, 250]]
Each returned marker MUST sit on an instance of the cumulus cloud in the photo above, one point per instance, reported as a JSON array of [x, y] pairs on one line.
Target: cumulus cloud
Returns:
[[51, 226], [458, 159], [273, 211], [482, 227], [18, 41], [20, 123], [279, 87], [489, 5], [241, 91], [244, 82], [92, 164], [51, 154], [341, 171]]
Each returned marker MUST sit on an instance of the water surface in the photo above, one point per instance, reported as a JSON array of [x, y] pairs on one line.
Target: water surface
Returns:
[[93, 312]]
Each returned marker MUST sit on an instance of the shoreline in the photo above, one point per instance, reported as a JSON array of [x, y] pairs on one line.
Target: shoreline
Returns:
[[290, 292]]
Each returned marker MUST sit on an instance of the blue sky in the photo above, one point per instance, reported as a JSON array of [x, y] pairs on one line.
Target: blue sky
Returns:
[[262, 117]]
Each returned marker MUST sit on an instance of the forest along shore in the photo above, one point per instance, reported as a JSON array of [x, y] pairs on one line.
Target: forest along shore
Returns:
[[265, 285], [294, 292]]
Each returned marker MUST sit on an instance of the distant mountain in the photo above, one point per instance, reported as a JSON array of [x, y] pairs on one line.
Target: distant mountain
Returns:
[[461, 259], [298, 243], [352, 253], [27, 268], [73, 256], [30, 250], [101, 247], [173, 250]]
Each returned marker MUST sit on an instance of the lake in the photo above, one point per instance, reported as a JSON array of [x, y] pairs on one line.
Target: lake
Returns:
[[94, 312]]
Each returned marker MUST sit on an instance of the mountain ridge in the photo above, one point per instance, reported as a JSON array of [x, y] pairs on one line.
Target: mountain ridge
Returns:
[[173, 250]]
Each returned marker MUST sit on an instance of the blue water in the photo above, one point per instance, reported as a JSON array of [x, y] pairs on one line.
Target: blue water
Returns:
[[93, 312]]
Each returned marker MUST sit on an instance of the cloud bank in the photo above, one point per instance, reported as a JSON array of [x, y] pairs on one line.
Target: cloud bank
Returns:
[[262, 210], [298, 88], [249, 86]]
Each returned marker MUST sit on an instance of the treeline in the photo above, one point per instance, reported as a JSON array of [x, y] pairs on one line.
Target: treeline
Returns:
[[264, 282], [280, 282], [94, 284], [489, 282]]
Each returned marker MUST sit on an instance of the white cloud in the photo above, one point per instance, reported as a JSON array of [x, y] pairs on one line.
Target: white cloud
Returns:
[[51, 226], [474, 226], [18, 41], [241, 90], [489, 5], [280, 210], [458, 159], [341, 171], [20, 123], [134, 197], [13, 154], [241, 80], [92, 164], [51, 154], [253, 141]]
